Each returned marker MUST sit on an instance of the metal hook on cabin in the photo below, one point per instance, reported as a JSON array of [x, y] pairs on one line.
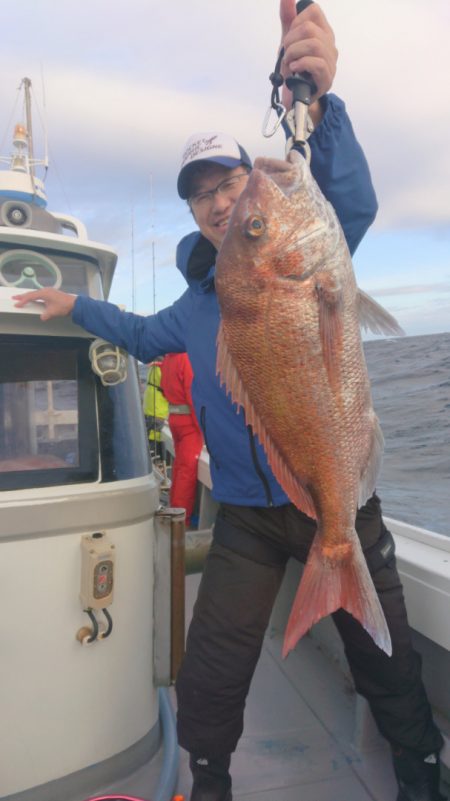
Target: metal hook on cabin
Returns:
[[104, 634]]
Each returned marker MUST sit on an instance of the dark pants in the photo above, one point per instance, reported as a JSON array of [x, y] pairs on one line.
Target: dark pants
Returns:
[[239, 585]]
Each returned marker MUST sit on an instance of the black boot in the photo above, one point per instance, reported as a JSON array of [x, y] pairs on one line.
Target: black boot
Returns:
[[212, 781], [418, 775]]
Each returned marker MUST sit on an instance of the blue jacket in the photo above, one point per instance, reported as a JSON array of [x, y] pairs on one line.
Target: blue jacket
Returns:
[[239, 469]]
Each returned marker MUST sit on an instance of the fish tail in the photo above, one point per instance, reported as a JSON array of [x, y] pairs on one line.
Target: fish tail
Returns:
[[329, 584]]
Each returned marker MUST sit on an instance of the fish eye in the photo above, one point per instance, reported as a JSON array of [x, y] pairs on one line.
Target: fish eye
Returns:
[[255, 226]]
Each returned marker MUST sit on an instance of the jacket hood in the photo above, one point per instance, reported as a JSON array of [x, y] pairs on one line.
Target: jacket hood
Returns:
[[196, 261]]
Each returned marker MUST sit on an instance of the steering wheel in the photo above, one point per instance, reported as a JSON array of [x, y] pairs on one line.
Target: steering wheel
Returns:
[[22, 268]]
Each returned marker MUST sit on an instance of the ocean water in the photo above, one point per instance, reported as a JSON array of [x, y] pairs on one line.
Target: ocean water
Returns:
[[411, 394]]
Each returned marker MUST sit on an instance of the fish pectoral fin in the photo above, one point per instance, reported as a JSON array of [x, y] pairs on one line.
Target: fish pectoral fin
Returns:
[[229, 376], [328, 585], [331, 324], [372, 469], [372, 317]]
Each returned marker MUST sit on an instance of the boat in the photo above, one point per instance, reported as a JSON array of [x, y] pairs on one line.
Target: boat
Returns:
[[96, 585], [84, 562]]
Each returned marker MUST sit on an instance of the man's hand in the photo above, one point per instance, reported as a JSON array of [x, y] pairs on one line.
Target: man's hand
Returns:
[[55, 302], [309, 46]]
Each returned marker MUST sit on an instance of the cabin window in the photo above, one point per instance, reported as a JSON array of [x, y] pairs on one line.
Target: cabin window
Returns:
[[58, 424], [47, 413]]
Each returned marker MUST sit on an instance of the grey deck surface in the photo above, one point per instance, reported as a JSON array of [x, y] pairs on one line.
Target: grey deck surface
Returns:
[[298, 735], [296, 745]]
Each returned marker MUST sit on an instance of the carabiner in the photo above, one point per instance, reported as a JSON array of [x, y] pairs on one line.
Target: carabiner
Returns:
[[281, 111]]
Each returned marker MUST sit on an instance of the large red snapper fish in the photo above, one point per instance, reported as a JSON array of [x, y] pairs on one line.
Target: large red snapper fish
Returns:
[[289, 352]]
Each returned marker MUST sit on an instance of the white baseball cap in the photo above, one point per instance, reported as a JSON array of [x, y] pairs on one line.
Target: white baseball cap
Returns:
[[218, 148]]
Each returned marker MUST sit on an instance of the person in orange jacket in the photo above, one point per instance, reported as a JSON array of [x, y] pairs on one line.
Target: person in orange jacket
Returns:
[[176, 380]]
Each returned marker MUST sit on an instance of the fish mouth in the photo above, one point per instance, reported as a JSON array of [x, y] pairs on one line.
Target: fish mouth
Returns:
[[285, 174]]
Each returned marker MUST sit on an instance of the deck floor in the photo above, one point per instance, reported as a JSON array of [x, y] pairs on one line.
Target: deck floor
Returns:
[[297, 743]]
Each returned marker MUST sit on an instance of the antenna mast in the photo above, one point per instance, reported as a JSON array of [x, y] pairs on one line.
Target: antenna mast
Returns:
[[44, 123], [153, 243], [29, 125], [133, 278]]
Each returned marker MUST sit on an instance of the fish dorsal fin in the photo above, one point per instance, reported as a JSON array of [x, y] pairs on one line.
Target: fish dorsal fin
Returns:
[[374, 318], [229, 376]]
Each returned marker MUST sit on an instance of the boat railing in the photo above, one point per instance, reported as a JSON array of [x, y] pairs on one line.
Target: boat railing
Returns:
[[423, 559]]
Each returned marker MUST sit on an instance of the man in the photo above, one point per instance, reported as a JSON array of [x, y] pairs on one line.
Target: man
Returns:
[[257, 529]]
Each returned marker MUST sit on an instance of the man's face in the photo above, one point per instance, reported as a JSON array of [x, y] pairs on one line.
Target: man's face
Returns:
[[212, 211]]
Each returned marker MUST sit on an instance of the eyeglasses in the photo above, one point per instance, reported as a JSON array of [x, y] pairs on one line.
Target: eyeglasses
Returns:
[[204, 200]]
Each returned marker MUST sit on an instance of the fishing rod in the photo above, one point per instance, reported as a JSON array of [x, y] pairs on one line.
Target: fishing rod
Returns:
[[296, 123]]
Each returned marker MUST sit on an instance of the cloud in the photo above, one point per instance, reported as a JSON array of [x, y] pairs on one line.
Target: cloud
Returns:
[[418, 289], [431, 318], [121, 104], [126, 84], [393, 74]]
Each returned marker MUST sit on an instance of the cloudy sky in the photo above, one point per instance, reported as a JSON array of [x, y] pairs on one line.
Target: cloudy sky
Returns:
[[122, 85]]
